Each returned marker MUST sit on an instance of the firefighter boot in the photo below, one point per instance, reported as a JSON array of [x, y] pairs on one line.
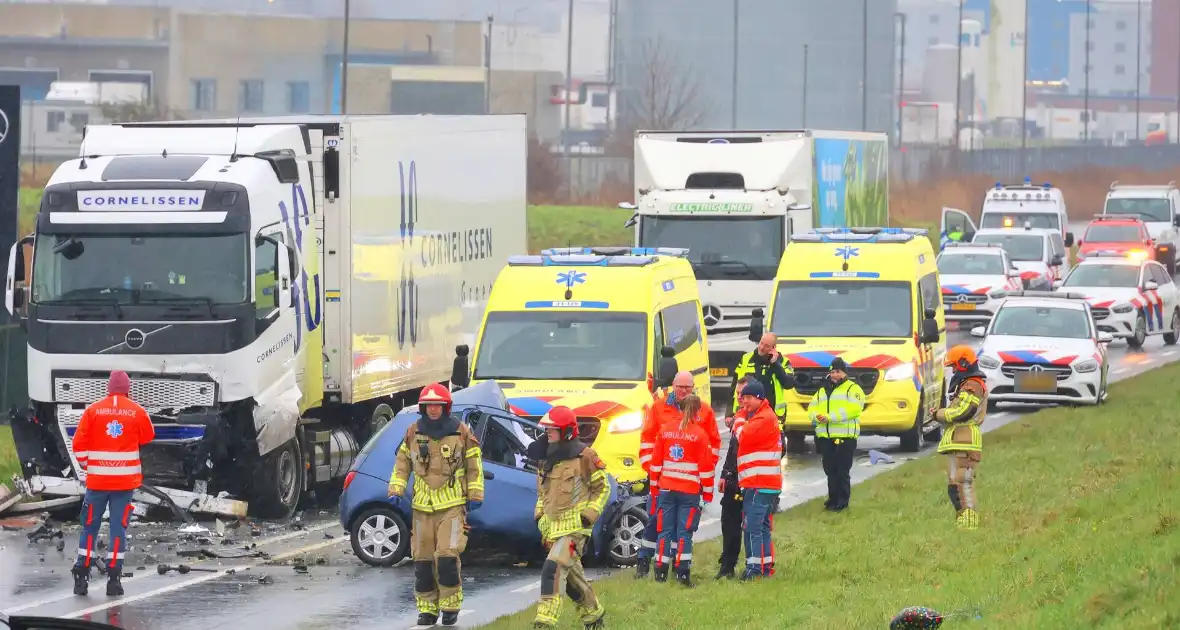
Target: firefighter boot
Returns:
[[751, 574], [450, 617], [968, 519], [642, 568], [114, 585], [726, 573], [427, 619], [81, 580], [684, 577], [661, 572]]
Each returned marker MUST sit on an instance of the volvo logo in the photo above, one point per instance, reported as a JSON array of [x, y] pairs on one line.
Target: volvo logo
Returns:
[[712, 315], [134, 338], [407, 308]]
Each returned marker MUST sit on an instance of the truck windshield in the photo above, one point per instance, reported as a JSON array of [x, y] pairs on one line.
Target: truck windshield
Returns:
[[1155, 210], [851, 308], [1020, 247], [720, 247], [129, 268], [567, 345], [993, 218]]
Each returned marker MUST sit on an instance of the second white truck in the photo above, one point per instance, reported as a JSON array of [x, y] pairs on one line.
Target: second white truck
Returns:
[[734, 198], [276, 288]]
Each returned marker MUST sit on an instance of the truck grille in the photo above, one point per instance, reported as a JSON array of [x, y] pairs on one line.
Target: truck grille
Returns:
[[809, 380], [963, 299], [149, 392], [727, 319], [1100, 313], [1063, 372]]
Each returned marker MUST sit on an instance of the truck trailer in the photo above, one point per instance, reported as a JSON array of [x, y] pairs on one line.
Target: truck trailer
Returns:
[[277, 289], [734, 198]]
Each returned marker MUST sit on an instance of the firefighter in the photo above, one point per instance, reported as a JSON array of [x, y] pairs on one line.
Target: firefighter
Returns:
[[572, 491], [731, 496], [106, 445], [759, 477], [682, 466], [774, 371], [835, 413], [444, 457], [962, 441], [665, 409]]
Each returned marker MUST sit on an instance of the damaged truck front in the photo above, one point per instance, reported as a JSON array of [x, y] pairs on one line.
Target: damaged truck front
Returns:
[[207, 261]]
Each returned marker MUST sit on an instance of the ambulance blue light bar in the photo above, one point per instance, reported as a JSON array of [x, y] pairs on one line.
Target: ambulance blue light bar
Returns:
[[678, 252], [860, 235], [580, 260]]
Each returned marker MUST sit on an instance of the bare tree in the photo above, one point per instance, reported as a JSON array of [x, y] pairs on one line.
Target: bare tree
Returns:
[[667, 96]]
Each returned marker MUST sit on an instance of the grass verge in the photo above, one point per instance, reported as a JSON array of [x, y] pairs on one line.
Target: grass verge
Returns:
[[573, 226], [1080, 515], [9, 464]]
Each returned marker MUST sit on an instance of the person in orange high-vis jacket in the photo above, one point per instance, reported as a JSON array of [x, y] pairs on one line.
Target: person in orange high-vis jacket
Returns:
[[106, 444], [759, 476], [666, 409], [682, 466]]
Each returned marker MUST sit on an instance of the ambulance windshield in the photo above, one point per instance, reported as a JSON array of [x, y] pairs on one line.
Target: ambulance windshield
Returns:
[[850, 308], [563, 345]]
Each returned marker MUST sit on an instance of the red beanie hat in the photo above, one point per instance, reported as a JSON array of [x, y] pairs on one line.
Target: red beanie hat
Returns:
[[119, 383]]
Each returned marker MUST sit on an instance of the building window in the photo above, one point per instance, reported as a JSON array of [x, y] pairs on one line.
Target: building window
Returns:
[[54, 120], [298, 97], [1120, 47], [250, 95], [203, 96], [599, 99], [1119, 69], [1120, 25], [124, 76]]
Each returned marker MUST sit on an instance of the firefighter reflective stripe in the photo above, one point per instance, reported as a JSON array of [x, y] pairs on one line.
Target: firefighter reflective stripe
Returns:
[[966, 404], [842, 408], [396, 482], [113, 463], [473, 484], [965, 413], [598, 503], [745, 368], [759, 463], [427, 499]]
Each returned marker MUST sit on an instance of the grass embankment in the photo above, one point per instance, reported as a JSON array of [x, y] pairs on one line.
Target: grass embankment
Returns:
[[1080, 510], [8, 462]]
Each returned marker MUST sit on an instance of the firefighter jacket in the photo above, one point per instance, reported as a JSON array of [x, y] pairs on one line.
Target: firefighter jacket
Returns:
[[841, 403], [760, 451], [572, 490], [446, 462], [683, 461], [664, 409], [776, 376], [963, 416], [107, 443]]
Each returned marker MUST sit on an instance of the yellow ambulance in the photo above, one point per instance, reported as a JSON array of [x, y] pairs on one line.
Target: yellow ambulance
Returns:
[[592, 329], [870, 296]]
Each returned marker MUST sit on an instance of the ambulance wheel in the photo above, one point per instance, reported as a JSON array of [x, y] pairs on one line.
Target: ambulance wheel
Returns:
[[279, 483], [796, 442], [934, 436], [1173, 333], [1137, 340], [911, 440]]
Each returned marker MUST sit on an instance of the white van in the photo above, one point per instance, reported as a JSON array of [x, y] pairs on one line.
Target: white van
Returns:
[[1027, 206]]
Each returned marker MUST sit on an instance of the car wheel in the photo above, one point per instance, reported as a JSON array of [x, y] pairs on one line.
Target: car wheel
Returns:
[[626, 535], [1140, 337], [382, 415], [1173, 333], [380, 537], [796, 442]]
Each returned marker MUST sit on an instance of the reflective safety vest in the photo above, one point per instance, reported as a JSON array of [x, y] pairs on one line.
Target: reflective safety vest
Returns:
[[683, 461], [107, 443], [746, 367], [759, 453], [448, 472], [964, 415], [842, 410]]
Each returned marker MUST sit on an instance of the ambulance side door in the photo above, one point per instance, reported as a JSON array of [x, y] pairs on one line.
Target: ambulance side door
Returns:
[[682, 331], [931, 354]]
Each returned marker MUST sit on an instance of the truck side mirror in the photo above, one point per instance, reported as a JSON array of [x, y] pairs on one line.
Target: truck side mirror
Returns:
[[667, 368], [460, 375], [1176, 220], [16, 287], [756, 324]]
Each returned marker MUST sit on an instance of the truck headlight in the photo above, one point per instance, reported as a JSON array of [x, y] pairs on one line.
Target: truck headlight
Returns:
[[626, 423], [988, 363], [901, 372], [1085, 367], [1122, 309], [995, 295]]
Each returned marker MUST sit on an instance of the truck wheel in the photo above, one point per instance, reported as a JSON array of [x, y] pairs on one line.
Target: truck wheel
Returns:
[[380, 537], [279, 484], [911, 440], [796, 442], [382, 415], [626, 533]]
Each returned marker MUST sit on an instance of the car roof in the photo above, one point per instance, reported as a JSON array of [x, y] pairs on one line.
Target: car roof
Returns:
[[968, 249], [1044, 302], [1120, 261], [1016, 230]]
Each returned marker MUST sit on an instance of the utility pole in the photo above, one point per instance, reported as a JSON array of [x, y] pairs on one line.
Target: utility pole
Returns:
[[734, 97], [612, 40], [487, 79], [1086, 69], [344, 61], [900, 77], [1138, 63], [805, 64], [864, 66], [1024, 96], [959, 80], [569, 80]]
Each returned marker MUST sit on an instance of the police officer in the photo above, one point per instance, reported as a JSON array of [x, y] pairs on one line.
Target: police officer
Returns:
[[445, 459], [106, 444], [835, 413], [962, 440], [731, 495], [572, 491], [774, 372]]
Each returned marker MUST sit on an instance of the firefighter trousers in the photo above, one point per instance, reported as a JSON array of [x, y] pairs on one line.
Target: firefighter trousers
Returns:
[[562, 572], [94, 506], [438, 538], [960, 471]]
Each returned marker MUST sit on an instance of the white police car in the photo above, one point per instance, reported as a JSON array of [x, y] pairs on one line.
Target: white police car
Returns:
[[1043, 347], [1130, 296], [1039, 254], [975, 278]]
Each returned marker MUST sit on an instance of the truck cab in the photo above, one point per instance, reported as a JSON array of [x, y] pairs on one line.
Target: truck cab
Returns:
[[1157, 207]]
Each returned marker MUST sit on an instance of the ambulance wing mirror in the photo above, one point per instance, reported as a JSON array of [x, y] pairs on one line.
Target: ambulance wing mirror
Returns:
[[16, 289], [460, 375], [1069, 239], [756, 324], [929, 331], [667, 368]]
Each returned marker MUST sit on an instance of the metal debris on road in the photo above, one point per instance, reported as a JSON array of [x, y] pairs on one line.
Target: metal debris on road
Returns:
[[183, 569]]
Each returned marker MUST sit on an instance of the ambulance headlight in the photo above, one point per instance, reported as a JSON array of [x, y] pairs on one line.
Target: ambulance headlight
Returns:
[[988, 363], [1122, 309], [900, 372], [1085, 367], [626, 423]]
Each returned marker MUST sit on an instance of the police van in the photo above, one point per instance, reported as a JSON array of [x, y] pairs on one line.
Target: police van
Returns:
[[595, 329]]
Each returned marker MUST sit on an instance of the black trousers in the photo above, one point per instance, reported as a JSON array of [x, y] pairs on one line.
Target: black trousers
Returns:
[[731, 530], [837, 460]]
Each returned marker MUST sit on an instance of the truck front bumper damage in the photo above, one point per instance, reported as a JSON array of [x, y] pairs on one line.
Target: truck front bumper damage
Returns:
[[71, 490]]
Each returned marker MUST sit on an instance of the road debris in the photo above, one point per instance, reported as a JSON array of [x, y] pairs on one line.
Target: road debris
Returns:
[[182, 569]]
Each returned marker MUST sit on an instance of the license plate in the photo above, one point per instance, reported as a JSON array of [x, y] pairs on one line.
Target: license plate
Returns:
[[1036, 383], [962, 307], [719, 372]]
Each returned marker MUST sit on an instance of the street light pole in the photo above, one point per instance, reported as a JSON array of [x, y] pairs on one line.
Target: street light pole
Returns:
[[487, 79], [344, 60], [864, 67], [805, 64], [734, 97], [1086, 69], [900, 78], [959, 80], [1024, 95], [1138, 63], [569, 79]]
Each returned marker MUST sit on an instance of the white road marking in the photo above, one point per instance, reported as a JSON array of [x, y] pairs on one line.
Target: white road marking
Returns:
[[461, 613], [1120, 370], [261, 542], [528, 587]]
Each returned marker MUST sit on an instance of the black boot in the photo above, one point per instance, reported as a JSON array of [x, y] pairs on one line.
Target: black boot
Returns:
[[751, 574], [726, 573], [642, 568], [685, 578], [450, 617], [661, 573], [81, 580], [114, 585], [427, 619], [597, 624]]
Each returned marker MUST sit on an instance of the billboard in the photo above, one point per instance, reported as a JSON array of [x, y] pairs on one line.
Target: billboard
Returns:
[[851, 183]]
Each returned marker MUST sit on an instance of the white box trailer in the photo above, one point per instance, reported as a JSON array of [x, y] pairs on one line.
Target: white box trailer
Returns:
[[277, 288]]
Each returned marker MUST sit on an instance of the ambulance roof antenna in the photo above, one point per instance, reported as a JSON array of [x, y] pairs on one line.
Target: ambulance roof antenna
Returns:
[[569, 287], [233, 156], [82, 165]]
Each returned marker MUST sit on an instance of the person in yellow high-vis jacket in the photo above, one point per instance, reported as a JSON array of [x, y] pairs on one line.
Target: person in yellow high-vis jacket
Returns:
[[835, 413], [774, 371], [445, 459], [962, 439]]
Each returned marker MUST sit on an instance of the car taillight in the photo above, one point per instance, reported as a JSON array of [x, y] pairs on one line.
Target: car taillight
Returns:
[[348, 478]]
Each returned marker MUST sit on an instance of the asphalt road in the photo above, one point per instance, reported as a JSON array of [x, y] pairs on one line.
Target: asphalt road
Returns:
[[312, 580]]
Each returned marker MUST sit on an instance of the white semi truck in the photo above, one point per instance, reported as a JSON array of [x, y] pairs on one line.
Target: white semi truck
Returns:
[[276, 288], [734, 198]]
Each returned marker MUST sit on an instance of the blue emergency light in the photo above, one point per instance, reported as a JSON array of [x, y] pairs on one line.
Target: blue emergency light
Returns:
[[1027, 181], [678, 252], [860, 235]]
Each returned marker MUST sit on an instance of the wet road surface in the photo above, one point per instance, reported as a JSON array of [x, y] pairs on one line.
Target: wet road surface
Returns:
[[311, 579]]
